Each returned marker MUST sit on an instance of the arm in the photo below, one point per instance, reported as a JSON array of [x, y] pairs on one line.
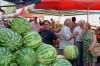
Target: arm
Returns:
[[73, 35], [94, 41]]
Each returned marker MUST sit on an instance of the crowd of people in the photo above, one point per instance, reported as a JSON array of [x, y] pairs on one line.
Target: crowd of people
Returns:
[[79, 34]]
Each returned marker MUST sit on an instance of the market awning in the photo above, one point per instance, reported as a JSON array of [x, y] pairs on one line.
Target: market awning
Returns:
[[64, 12], [69, 4]]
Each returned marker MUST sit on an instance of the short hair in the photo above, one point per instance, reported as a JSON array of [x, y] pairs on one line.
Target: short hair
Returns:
[[46, 21], [66, 22], [81, 22], [73, 19]]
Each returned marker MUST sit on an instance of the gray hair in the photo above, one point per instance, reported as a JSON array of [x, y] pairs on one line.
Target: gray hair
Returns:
[[67, 21], [81, 22]]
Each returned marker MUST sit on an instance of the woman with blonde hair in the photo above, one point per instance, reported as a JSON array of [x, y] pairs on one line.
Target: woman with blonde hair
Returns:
[[89, 39]]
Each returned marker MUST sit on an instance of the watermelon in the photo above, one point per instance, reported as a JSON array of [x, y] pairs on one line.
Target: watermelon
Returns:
[[20, 25], [61, 62], [71, 52], [41, 65], [26, 57], [46, 54], [10, 39], [13, 64], [5, 56], [32, 39]]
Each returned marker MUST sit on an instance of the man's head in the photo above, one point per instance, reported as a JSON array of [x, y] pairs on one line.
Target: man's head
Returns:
[[73, 19], [33, 19], [51, 19], [46, 24]]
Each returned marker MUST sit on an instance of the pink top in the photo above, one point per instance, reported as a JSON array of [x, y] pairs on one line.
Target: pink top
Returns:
[[35, 27]]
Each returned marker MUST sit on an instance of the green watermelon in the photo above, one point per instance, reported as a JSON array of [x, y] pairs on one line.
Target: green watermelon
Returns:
[[46, 54], [41, 65], [5, 56], [13, 64], [32, 39], [61, 62], [20, 25], [26, 57], [71, 52], [10, 39]]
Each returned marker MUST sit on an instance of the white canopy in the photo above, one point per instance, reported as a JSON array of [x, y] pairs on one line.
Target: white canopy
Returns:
[[5, 3]]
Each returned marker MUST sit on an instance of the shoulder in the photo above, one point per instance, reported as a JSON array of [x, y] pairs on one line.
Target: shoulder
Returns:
[[77, 28], [91, 31]]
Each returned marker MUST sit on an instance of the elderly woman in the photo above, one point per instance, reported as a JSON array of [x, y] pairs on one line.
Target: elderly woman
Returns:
[[65, 35], [89, 39]]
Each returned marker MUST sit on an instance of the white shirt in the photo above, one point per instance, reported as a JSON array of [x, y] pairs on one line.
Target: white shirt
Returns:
[[65, 34], [79, 30]]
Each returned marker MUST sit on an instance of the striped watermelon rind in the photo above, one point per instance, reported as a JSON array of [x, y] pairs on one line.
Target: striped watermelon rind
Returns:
[[20, 25], [32, 39], [71, 52], [5, 56], [41, 64], [61, 62], [25, 57], [10, 39], [46, 54]]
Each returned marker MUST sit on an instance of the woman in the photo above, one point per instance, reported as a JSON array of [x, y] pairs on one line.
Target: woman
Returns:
[[89, 39], [65, 35]]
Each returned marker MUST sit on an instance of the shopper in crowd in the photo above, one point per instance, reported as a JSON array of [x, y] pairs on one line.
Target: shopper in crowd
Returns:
[[74, 23], [53, 25], [35, 25], [40, 22], [47, 34], [7, 23], [89, 41], [77, 33], [65, 34]]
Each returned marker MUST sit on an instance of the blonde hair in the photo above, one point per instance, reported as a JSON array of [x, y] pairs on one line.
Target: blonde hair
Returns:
[[81, 22], [88, 25]]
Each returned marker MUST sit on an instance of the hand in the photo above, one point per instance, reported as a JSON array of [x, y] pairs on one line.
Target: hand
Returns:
[[91, 47]]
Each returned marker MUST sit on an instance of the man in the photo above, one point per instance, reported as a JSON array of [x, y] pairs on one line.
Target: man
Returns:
[[65, 35], [47, 34], [74, 24]]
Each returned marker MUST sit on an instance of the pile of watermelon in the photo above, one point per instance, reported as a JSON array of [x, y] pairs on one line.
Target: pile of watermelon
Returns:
[[19, 46]]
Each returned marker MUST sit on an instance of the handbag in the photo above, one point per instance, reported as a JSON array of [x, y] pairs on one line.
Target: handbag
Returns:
[[96, 50]]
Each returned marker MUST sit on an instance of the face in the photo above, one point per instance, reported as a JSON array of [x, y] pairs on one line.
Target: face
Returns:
[[86, 26], [82, 25], [46, 25]]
